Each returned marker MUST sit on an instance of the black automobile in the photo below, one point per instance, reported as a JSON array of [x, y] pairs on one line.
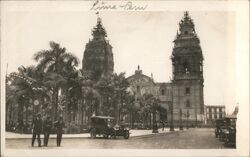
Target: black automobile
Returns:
[[104, 126], [218, 127], [222, 132], [230, 133]]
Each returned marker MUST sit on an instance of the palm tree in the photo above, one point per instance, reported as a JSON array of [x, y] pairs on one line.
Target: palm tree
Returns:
[[120, 94], [53, 82], [56, 63], [105, 87], [82, 94], [21, 91]]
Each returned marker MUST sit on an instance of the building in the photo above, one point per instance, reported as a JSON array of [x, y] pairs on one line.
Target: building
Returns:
[[183, 94], [213, 112], [187, 67], [98, 55], [185, 90]]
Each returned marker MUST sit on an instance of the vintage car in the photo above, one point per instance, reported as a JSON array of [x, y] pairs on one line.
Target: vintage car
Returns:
[[218, 127], [230, 133], [103, 126]]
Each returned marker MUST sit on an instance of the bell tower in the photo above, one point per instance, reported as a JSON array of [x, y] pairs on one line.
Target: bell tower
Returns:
[[187, 68], [98, 55]]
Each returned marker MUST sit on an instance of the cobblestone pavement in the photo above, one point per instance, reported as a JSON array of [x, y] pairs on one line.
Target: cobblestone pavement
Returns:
[[194, 138]]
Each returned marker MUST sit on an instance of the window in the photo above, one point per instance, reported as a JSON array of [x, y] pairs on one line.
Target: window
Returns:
[[186, 67], [215, 116], [210, 110], [187, 103], [186, 32], [138, 88], [201, 69], [187, 91], [220, 115], [220, 109], [163, 92], [210, 116]]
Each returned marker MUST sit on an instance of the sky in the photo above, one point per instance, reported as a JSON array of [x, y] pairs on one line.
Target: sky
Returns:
[[138, 38]]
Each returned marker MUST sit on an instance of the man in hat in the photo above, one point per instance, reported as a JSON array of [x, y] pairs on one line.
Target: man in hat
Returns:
[[59, 125], [47, 129], [37, 129]]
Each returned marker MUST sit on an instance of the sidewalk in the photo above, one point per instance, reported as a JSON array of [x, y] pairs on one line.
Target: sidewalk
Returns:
[[133, 133]]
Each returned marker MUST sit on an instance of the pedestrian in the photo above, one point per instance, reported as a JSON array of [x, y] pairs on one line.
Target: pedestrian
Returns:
[[59, 125], [163, 125], [37, 129], [47, 129]]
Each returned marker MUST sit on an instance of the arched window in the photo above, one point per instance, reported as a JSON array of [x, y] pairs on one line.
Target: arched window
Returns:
[[163, 92], [186, 67], [138, 89], [187, 90]]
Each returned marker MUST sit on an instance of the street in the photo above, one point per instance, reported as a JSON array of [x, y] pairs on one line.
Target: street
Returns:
[[193, 138]]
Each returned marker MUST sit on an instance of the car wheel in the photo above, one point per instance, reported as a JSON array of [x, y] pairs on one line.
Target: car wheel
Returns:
[[105, 136], [93, 133], [126, 135], [113, 134]]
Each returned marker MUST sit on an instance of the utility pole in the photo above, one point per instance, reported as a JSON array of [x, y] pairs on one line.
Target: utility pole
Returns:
[[172, 110], [181, 126]]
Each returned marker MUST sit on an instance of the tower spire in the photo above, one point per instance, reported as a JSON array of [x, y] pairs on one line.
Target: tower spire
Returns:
[[186, 14], [99, 33], [98, 17]]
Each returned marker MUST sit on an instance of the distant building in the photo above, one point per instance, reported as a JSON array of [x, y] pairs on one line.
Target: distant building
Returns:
[[213, 112]]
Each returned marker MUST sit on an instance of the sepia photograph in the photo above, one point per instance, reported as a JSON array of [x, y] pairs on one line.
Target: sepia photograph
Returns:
[[124, 78]]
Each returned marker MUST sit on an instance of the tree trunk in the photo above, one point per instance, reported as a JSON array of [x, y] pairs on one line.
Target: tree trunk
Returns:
[[26, 115], [81, 123], [20, 113], [55, 95], [10, 113]]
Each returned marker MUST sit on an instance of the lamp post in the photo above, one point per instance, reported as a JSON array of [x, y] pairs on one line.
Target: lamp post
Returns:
[[172, 110], [187, 117], [155, 127], [172, 120], [181, 126], [36, 103]]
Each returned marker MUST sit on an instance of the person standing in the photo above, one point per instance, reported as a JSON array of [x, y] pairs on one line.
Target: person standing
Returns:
[[163, 125], [47, 129], [59, 125], [37, 129]]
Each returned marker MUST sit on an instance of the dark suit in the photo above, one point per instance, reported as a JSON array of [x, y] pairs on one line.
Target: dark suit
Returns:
[[37, 130], [46, 130], [59, 125]]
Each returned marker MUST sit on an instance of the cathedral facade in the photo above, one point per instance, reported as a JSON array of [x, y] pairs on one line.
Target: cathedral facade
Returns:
[[182, 97]]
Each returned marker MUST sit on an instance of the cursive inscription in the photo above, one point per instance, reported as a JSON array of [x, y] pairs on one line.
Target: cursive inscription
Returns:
[[128, 6]]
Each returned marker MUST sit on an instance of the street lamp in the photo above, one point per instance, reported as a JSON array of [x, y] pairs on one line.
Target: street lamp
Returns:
[[155, 127], [172, 120], [181, 126], [36, 103], [187, 117]]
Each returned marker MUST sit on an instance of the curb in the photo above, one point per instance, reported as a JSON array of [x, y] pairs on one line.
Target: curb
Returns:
[[79, 137]]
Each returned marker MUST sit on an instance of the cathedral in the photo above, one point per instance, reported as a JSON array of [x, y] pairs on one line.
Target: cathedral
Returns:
[[182, 97]]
